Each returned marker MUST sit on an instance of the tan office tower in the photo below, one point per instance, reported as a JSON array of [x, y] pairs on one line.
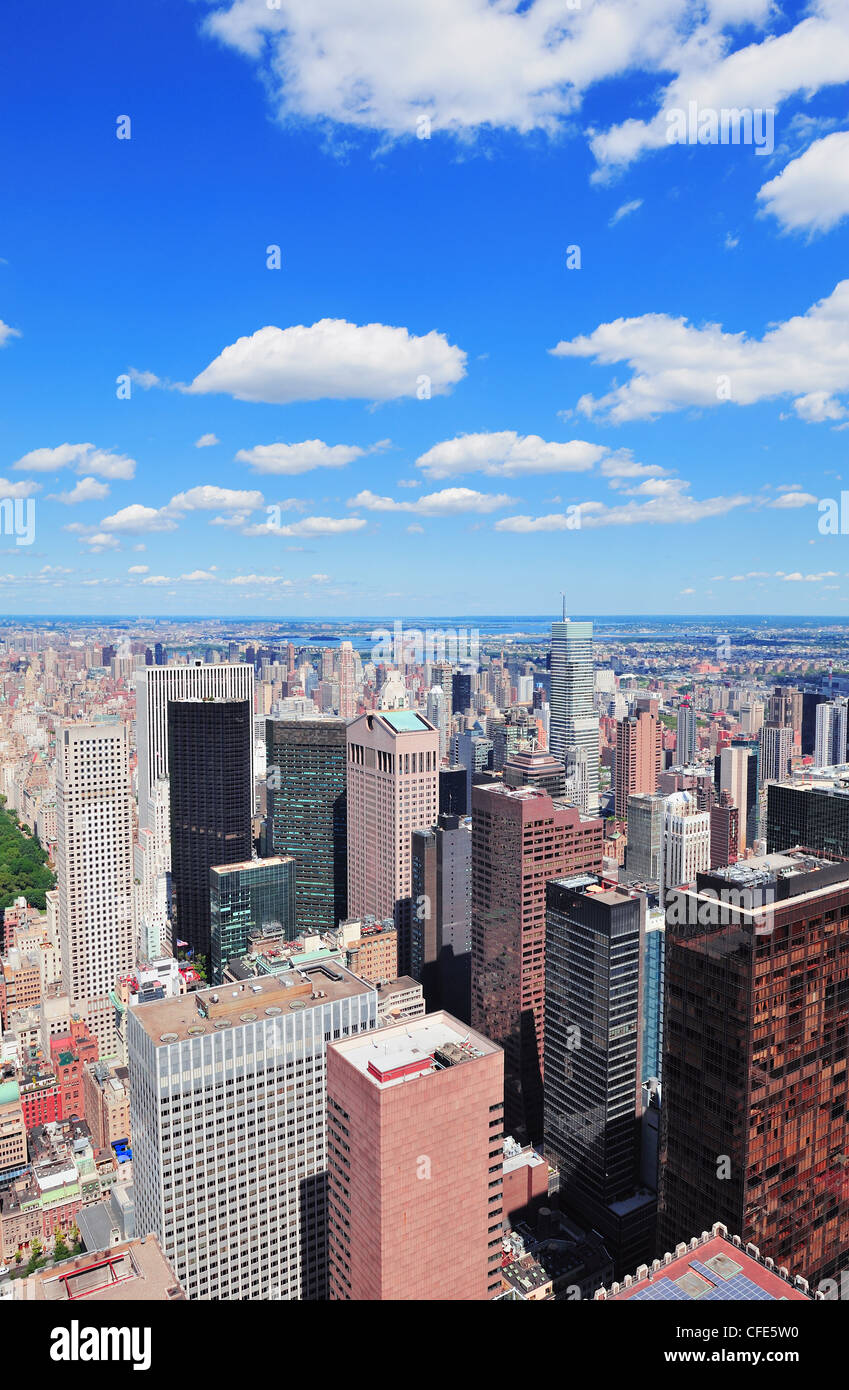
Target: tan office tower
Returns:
[[414, 1157], [347, 687], [638, 757], [393, 789], [94, 869]]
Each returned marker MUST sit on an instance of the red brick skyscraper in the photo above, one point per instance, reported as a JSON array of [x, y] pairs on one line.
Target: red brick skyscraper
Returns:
[[638, 756], [414, 1153], [520, 839]]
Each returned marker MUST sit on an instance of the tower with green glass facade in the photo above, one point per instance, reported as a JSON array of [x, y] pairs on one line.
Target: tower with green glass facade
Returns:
[[255, 896], [307, 814]]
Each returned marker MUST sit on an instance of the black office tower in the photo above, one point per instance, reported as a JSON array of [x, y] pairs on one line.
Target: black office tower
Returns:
[[453, 799], [461, 692], [307, 814], [209, 763]]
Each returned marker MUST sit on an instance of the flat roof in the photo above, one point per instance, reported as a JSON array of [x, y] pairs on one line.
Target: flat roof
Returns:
[[405, 1050], [209, 1010], [133, 1270], [251, 864], [716, 1271], [406, 721]]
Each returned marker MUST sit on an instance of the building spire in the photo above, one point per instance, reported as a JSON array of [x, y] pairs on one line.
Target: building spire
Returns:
[[563, 597]]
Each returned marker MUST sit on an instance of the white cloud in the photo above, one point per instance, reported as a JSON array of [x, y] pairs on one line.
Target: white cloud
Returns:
[[299, 458], [818, 406], [415, 529], [84, 457], [158, 579], [447, 502], [198, 577], [146, 380], [86, 490], [805, 58], [208, 498], [812, 192], [242, 579], [310, 526], [206, 441], [18, 490], [621, 212], [507, 454], [675, 364], [382, 66], [333, 359], [798, 578], [138, 569], [7, 333], [669, 507], [793, 499], [136, 519], [98, 541]]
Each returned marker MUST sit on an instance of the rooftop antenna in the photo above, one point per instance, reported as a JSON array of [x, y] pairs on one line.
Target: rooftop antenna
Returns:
[[563, 597]]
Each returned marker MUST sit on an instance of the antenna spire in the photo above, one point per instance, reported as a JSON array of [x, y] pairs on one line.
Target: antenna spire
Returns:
[[563, 597]]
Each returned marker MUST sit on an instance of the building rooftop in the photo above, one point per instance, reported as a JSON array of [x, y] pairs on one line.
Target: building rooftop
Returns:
[[416, 1047], [134, 1270], [711, 1269], [209, 1010]]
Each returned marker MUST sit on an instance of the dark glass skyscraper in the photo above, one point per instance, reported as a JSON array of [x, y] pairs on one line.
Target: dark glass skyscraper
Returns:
[[256, 896], [461, 692], [307, 814], [755, 1051], [442, 915], [209, 766], [593, 1073]]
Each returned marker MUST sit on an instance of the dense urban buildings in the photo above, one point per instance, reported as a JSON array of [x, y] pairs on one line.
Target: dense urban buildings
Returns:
[[254, 898], [228, 1117]]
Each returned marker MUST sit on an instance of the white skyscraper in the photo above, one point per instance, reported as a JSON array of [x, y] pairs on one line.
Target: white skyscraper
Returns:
[[734, 779], [776, 751], [830, 741], [685, 849], [440, 715], [574, 719], [155, 686], [228, 1103], [94, 868], [152, 876]]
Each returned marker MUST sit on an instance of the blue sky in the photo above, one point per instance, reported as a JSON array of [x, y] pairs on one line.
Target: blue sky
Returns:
[[608, 468]]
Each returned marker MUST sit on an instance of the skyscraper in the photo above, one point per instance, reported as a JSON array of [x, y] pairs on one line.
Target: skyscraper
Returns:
[[776, 751], [593, 1066], [686, 842], [686, 740], [573, 718], [228, 1103], [347, 685], [210, 743], [155, 686], [415, 1159], [533, 768], [734, 779], [831, 727], [461, 692], [255, 896], [638, 757], [442, 914], [646, 819], [520, 839], [393, 789], [94, 869], [753, 1127], [308, 815]]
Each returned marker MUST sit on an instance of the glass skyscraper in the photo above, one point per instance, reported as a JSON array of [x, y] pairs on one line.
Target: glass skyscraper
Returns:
[[307, 814], [573, 718], [258, 895]]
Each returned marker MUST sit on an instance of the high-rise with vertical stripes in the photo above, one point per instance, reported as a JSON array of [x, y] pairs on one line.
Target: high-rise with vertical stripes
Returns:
[[573, 718]]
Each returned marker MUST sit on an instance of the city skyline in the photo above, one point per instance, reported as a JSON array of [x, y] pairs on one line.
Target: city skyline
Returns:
[[501, 325]]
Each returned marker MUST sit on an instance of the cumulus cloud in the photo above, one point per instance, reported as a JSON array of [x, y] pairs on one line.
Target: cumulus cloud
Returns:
[[138, 569], [18, 490], [206, 441], [84, 457], [7, 333], [310, 526], [447, 502], [137, 519], [507, 454], [290, 459], [624, 211], [812, 192], [208, 498], [674, 364], [383, 67], [333, 359], [793, 499], [86, 490], [668, 504]]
